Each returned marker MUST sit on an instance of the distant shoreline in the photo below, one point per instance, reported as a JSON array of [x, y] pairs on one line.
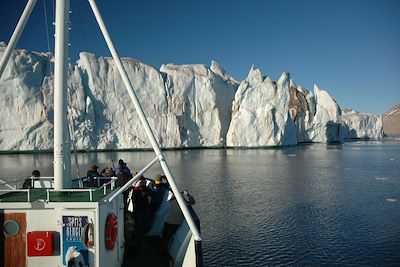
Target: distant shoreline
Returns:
[[81, 151]]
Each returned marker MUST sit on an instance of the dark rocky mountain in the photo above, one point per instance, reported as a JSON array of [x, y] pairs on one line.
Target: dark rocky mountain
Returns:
[[391, 121]]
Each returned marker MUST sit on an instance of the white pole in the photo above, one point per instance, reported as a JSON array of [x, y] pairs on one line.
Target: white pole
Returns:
[[62, 175], [133, 179], [16, 34], [145, 123]]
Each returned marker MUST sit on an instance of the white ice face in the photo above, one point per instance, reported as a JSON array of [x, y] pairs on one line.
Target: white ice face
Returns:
[[186, 105]]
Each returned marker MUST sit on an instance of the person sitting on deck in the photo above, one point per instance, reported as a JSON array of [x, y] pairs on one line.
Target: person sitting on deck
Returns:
[[108, 172], [91, 175], [28, 183]]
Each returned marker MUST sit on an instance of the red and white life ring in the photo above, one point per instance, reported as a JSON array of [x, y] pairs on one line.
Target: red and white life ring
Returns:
[[111, 231]]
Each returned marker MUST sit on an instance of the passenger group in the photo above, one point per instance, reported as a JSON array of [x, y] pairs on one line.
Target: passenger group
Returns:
[[142, 202]]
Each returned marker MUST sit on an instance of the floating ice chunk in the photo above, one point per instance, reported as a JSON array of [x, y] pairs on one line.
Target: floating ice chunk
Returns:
[[381, 178], [392, 200]]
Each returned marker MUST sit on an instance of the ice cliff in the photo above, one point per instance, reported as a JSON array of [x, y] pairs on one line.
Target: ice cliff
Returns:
[[260, 114], [26, 102], [187, 106], [361, 126], [268, 113]]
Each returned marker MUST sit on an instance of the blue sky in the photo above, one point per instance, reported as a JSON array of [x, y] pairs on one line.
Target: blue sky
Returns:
[[350, 48]]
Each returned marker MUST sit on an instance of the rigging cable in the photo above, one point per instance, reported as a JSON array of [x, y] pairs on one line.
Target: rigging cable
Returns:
[[45, 23]]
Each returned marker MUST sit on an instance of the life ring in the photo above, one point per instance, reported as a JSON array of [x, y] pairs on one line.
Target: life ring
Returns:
[[111, 231]]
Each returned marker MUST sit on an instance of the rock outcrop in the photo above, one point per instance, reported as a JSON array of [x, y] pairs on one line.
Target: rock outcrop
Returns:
[[391, 121]]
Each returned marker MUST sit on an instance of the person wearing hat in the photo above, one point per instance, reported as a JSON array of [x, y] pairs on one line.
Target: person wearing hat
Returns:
[[91, 175], [122, 169], [158, 194], [28, 183]]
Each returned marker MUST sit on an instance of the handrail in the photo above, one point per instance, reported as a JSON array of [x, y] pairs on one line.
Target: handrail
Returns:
[[89, 190], [18, 190], [133, 180], [104, 186]]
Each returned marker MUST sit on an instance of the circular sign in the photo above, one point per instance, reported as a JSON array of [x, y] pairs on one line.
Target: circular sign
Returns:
[[10, 228], [40, 244]]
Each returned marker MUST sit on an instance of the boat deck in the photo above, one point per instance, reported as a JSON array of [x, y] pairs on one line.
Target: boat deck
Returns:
[[148, 254]]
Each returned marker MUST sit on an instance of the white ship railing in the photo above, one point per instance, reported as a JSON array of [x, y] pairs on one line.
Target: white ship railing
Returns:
[[90, 191], [28, 193]]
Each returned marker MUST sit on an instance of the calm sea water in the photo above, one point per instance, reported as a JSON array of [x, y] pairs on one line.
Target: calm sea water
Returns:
[[306, 206]]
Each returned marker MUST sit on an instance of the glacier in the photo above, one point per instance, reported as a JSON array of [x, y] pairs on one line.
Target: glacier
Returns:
[[191, 105], [361, 125], [260, 114]]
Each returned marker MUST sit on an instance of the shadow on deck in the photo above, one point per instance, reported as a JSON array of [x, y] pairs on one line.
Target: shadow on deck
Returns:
[[149, 254]]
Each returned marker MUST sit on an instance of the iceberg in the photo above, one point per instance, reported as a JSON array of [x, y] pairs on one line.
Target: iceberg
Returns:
[[200, 99], [187, 105], [260, 113], [26, 99], [325, 125], [191, 105], [358, 125]]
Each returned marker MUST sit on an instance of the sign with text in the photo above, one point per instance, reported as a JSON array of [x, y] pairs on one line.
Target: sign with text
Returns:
[[72, 235]]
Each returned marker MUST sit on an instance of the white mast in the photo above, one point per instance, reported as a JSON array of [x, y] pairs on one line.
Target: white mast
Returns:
[[62, 171]]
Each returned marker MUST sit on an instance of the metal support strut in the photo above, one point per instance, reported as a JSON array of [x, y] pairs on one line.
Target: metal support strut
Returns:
[[16, 34], [145, 123]]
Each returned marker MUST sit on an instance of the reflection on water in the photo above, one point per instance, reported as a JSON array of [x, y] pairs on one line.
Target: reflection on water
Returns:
[[309, 205]]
